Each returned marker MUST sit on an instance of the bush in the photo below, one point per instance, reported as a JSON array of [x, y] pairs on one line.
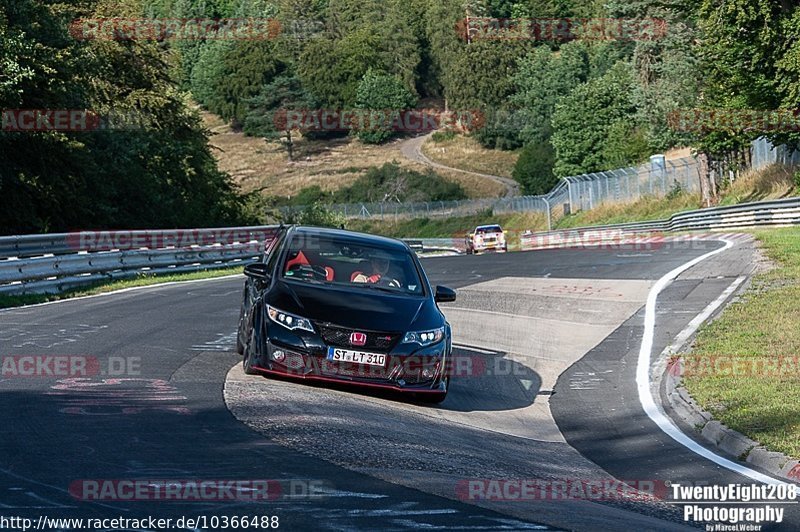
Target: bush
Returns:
[[316, 214], [387, 96], [393, 183], [534, 168], [626, 145], [388, 183], [443, 136], [675, 191]]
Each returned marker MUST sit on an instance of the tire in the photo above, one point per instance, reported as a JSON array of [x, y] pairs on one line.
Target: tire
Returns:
[[436, 398], [433, 398], [247, 361], [239, 345]]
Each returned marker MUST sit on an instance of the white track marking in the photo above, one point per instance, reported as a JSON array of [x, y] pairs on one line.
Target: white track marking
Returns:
[[643, 378], [698, 320]]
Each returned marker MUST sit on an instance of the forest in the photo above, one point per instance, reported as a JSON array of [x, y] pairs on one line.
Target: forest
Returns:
[[571, 102]]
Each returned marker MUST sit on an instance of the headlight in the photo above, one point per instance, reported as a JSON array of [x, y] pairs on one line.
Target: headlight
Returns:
[[424, 338], [290, 321]]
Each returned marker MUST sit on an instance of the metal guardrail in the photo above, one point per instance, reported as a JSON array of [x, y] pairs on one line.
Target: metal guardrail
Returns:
[[771, 213], [52, 263], [57, 262]]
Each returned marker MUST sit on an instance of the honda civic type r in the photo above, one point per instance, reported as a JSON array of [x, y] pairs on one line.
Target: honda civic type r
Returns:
[[335, 305]]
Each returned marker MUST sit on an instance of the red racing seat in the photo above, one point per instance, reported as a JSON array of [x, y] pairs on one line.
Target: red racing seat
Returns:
[[301, 259]]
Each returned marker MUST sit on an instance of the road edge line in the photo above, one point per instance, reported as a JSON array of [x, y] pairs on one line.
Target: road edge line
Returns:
[[643, 383]]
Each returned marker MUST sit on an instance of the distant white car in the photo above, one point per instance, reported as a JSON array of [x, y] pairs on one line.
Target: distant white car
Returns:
[[486, 238]]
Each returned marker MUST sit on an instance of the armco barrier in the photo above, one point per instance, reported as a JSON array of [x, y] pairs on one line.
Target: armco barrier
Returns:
[[771, 213], [54, 262], [57, 262]]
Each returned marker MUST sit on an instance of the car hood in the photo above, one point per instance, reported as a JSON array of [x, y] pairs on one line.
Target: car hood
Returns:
[[358, 308]]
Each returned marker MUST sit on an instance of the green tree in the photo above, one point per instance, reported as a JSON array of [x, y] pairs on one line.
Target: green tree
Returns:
[[388, 97], [626, 144], [583, 119], [442, 21], [163, 174], [667, 67], [534, 168], [480, 78], [332, 69], [270, 113], [360, 35], [543, 78], [228, 74], [208, 74]]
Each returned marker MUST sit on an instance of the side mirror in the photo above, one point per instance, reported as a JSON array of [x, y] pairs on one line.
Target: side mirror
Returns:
[[257, 270], [444, 295]]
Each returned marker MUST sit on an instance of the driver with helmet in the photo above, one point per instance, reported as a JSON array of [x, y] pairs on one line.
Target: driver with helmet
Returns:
[[379, 269]]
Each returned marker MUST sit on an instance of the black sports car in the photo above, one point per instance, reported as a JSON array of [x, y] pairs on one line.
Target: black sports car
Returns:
[[328, 304]]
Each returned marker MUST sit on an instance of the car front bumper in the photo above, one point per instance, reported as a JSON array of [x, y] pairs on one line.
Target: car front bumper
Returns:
[[421, 372]]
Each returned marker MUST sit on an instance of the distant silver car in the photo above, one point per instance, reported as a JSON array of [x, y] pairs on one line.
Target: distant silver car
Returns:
[[486, 238]]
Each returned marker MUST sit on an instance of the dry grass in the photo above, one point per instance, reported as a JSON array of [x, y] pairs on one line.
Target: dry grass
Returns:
[[257, 165], [646, 208], [773, 182], [467, 154], [678, 153]]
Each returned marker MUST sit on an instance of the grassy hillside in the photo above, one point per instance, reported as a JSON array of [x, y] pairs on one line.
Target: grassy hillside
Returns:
[[258, 165], [771, 183], [467, 154]]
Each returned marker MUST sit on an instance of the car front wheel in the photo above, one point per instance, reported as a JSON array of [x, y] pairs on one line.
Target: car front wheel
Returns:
[[249, 351], [436, 398]]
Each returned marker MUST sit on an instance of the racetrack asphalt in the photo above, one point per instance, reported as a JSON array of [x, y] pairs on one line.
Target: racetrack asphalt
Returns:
[[179, 411]]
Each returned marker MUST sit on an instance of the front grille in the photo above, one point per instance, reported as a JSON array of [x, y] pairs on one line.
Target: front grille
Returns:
[[345, 369], [340, 337]]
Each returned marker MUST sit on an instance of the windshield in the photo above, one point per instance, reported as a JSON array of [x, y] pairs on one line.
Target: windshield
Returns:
[[336, 260], [490, 229]]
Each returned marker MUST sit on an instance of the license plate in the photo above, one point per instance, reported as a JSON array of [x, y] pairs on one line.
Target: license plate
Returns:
[[356, 357]]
